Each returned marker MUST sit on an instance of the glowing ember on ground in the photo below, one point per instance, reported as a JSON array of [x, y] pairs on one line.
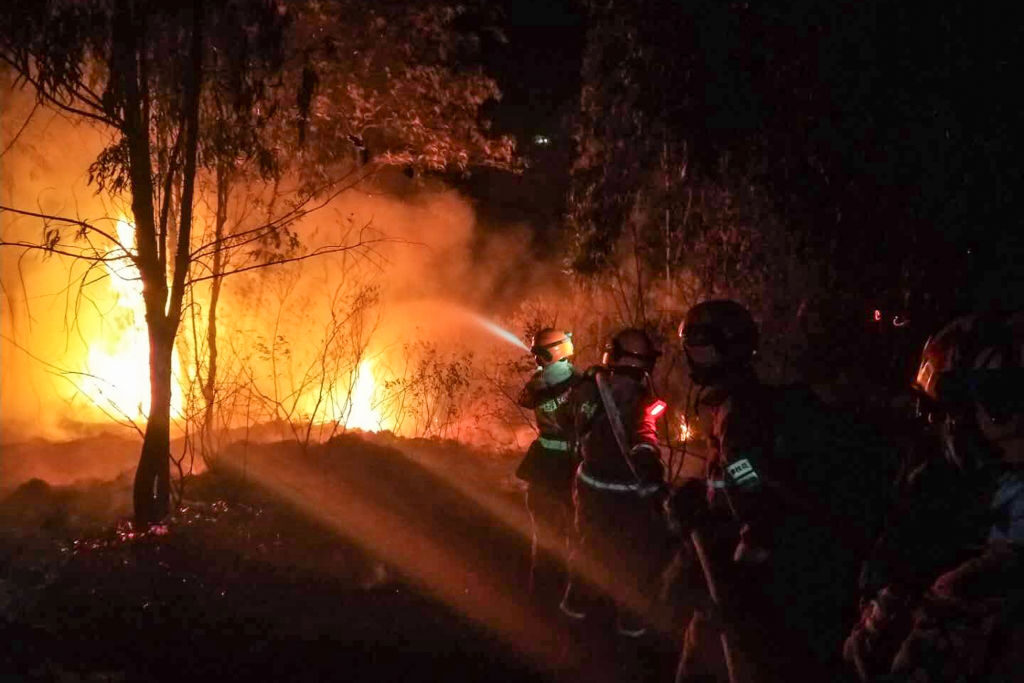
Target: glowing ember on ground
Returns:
[[118, 361]]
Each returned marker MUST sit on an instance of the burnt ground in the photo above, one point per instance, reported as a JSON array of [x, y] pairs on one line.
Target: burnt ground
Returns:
[[382, 560]]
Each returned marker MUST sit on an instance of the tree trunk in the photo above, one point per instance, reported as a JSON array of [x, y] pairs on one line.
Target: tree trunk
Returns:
[[152, 490], [153, 476], [210, 387]]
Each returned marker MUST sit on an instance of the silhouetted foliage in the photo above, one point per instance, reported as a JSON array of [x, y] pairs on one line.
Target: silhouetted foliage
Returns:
[[239, 88]]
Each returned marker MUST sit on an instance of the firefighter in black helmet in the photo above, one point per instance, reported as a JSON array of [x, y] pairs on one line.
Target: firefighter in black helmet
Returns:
[[619, 483], [773, 562], [942, 591], [720, 342], [549, 465]]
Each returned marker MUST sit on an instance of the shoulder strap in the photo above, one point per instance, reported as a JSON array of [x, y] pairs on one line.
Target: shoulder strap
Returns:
[[614, 419]]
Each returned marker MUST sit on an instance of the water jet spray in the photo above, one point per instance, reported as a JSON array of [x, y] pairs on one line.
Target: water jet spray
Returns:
[[499, 331], [491, 326]]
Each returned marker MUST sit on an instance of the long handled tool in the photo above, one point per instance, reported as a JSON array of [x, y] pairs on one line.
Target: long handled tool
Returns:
[[709, 578]]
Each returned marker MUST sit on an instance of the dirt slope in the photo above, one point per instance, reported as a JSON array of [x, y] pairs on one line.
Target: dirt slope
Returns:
[[353, 561]]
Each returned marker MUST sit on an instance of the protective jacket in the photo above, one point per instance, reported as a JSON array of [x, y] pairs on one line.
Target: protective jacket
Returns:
[[547, 394], [789, 580], [618, 491], [741, 444], [943, 586], [604, 465], [549, 462]]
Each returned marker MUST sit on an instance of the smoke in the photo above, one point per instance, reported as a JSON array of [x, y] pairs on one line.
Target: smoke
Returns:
[[426, 261], [43, 338]]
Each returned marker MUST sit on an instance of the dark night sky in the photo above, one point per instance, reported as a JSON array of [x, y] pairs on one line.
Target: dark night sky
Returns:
[[538, 71], [914, 117]]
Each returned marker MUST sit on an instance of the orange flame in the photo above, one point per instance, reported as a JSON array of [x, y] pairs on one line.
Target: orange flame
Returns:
[[359, 411], [116, 368], [685, 430]]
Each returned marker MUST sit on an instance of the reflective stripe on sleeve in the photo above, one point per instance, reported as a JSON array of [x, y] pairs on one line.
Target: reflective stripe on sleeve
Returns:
[[553, 444]]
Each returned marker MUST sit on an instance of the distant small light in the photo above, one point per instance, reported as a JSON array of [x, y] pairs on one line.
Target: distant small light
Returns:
[[878, 315], [542, 140], [900, 321]]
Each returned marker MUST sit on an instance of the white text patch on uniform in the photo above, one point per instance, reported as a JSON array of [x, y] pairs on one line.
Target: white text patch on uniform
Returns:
[[551, 405], [742, 472]]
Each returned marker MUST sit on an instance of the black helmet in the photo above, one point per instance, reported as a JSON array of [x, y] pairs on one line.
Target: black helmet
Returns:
[[725, 326], [631, 347], [976, 360]]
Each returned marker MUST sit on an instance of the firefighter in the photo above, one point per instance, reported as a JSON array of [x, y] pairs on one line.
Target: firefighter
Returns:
[[766, 552], [549, 465], [619, 483], [942, 591]]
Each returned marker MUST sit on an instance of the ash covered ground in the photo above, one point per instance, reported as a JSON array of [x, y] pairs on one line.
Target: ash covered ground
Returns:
[[365, 559]]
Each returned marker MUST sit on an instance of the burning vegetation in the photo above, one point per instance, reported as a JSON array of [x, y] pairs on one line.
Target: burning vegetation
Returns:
[[266, 309]]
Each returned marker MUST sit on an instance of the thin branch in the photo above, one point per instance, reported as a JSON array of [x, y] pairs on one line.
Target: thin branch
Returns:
[[298, 211], [23, 73], [321, 251], [21, 130], [166, 204], [86, 227], [61, 252], [66, 374]]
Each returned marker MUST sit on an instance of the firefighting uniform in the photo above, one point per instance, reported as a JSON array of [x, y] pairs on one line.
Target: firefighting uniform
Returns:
[[785, 580], [549, 467], [618, 518], [945, 581]]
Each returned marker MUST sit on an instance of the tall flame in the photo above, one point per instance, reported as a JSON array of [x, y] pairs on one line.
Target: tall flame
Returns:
[[117, 367], [360, 412]]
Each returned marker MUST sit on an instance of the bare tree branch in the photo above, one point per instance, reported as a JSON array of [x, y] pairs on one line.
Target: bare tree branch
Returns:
[[23, 71], [32, 246], [84, 227], [298, 210], [66, 374], [21, 130]]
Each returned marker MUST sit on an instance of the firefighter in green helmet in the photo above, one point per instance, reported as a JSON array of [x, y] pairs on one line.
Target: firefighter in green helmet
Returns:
[[549, 466]]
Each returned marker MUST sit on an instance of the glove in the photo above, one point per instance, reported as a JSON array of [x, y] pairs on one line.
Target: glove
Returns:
[[647, 463], [873, 641], [750, 550], [687, 506]]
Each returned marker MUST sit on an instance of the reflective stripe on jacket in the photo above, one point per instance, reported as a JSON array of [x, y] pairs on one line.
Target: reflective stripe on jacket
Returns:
[[617, 486]]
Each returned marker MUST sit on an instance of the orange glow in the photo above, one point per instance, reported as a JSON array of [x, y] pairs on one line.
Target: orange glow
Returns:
[[117, 366], [359, 410], [685, 431]]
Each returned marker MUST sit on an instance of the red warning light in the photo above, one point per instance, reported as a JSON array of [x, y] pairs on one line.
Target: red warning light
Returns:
[[656, 408], [878, 315]]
